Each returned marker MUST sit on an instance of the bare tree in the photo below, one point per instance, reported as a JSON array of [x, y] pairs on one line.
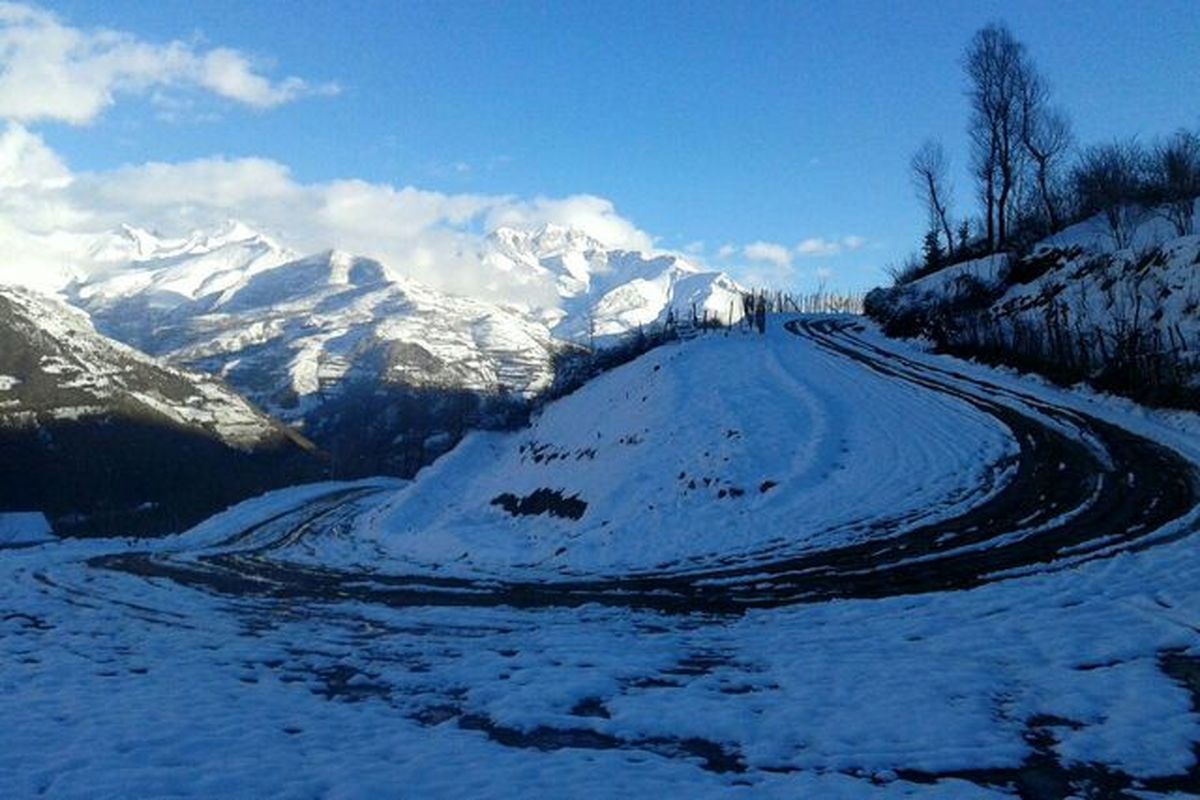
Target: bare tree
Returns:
[[1176, 175], [929, 169], [983, 167], [998, 69], [1047, 138], [1110, 180]]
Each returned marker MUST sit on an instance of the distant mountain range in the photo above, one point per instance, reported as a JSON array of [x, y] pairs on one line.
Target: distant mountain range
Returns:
[[312, 339], [381, 372]]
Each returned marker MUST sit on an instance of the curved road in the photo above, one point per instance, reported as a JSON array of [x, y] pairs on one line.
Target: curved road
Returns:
[[1082, 488]]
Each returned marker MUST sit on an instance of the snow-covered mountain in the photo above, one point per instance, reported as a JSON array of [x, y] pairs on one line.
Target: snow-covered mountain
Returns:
[[216, 294], [291, 334], [301, 335], [608, 293], [89, 425], [57, 367], [141, 276]]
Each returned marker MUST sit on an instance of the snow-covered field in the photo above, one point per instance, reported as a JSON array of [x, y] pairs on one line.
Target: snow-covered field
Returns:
[[393, 640]]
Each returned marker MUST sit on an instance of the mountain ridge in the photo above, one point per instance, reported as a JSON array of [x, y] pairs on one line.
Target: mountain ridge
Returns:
[[105, 439], [306, 337]]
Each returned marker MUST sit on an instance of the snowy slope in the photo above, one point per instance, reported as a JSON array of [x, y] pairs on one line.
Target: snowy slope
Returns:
[[713, 449], [56, 367], [68, 396], [1075, 306], [1080, 269]]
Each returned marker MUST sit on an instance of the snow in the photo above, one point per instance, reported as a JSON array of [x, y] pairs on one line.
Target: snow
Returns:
[[81, 373], [1148, 229], [1098, 292], [991, 270], [349, 695], [659, 449], [24, 527], [236, 303]]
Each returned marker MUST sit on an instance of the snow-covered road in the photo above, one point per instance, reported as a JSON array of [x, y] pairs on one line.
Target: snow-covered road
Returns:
[[1030, 624], [1080, 488]]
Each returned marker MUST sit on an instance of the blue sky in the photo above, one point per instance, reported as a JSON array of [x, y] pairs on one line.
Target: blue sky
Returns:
[[720, 123]]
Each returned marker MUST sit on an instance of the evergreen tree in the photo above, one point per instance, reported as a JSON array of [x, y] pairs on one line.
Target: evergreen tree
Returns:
[[932, 250]]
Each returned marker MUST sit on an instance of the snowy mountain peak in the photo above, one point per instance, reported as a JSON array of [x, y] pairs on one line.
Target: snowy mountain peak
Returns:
[[126, 243], [551, 239], [234, 230], [543, 242], [129, 243], [347, 269]]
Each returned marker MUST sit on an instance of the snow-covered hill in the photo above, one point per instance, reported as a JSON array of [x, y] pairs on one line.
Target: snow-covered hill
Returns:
[[65, 389], [1076, 306], [695, 454]]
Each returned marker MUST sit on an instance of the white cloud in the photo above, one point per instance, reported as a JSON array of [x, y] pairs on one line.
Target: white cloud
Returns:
[[770, 265], [25, 160], [769, 252], [816, 247], [430, 236], [52, 71]]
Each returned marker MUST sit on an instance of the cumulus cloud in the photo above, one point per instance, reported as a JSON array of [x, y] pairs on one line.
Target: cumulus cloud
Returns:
[[769, 252], [430, 236], [52, 71], [727, 251], [25, 160]]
